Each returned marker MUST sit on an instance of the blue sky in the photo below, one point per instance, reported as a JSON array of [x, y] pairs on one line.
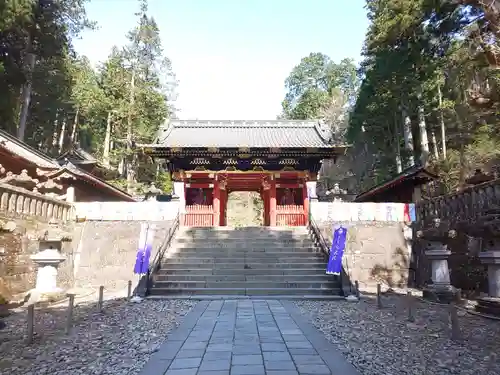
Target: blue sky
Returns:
[[232, 56]]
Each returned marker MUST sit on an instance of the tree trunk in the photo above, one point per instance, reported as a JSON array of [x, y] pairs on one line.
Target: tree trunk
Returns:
[[75, 126], [55, 133], [424, 140], [26, 92], [408, 137], [399, 164], [130, 167], [107, 142], [62, 136], [435, 150], [463, 167], [441, 123]]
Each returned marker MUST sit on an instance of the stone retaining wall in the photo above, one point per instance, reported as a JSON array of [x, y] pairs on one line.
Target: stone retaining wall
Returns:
[[106, 253], [376, 252]]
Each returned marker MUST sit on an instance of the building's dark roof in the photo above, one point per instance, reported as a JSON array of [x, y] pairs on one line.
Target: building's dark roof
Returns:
[[77, 155], [418, 175], [26, 152], [257, 134], [70, 169]]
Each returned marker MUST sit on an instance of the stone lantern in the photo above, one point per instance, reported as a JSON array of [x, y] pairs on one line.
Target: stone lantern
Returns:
[[49, 258], [487, 227], [436, 249]]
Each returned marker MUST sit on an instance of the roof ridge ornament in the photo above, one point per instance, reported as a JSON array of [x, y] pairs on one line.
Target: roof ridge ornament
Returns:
[[324, 130]]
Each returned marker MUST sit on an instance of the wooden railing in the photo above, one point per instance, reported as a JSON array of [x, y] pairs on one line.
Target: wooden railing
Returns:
[[290, 215], [19, 201], [466, 205], [198, 216]]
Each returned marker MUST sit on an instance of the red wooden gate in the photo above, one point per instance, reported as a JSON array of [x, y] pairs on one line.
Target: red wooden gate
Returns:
[[199, 216], [290, 215]]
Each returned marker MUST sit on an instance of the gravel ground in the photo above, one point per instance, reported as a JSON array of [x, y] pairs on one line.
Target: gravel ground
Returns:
[[383, 342], [118, 341]]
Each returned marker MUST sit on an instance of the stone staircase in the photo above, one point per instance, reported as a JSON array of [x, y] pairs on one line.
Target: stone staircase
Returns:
[[249, 261]]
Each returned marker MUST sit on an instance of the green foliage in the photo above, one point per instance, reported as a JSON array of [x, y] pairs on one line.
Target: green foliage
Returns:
[[313, 83], [72, 101], [427, 57], [164, 182]]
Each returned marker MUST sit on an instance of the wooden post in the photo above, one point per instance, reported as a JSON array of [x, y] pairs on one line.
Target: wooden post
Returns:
[[379, 296], [409, 300], [31, 324], [455, 325], [69, 317], [129, 289], [101, 298]]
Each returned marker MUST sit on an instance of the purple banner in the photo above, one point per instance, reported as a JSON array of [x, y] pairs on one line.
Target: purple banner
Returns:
[[337, 251], [144, 249]]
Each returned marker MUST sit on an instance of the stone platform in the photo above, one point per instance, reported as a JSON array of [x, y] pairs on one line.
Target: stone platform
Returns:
[[246, 337]]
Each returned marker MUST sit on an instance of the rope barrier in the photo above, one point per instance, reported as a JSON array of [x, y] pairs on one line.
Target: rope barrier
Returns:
[[491, 317]]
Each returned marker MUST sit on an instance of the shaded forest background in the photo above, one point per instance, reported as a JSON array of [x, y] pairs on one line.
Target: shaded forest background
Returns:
[[426, 91]]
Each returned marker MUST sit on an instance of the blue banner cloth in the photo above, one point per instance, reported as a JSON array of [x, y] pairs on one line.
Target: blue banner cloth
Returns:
[[337, 251], [144, 249], [413, 215]]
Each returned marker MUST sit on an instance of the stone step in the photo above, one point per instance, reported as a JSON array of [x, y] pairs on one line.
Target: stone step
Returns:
[[244, 240], [264, 253], [245, 291], [243, 229], [208, 277], [241, 266], [243, 248], [314, 284], [239, 271], [242, 260]]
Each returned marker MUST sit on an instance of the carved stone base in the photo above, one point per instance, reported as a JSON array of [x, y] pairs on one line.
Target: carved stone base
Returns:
[[440, 293], [488, 305]]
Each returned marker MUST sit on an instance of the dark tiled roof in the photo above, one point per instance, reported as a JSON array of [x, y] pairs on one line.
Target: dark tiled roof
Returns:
[[77, 153], [416, 172], [72, 169], [26, 152], [277, 133]]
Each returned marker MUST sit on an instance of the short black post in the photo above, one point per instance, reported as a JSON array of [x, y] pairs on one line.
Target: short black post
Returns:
[[409, 299], [129, 289], [379, 296], [101, 298], [31, 324], [455, 325], [69, 316]]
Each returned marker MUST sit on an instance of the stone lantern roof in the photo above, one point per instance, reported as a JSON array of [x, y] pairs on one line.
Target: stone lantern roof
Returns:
[[53, 233]]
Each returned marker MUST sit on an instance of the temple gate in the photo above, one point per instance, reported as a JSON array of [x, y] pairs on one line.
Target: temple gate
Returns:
[[278, 159]]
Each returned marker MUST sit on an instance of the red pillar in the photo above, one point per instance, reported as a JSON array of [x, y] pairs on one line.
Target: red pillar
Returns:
[[217, 204], [264, 195], [223, 207], [272, 203], [306, 202]]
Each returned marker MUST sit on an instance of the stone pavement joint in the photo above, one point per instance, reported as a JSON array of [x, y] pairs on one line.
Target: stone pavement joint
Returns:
[[246, 337]]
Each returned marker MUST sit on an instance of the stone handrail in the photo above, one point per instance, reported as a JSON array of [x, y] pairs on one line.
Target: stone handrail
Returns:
[[16, 200], [465, 205]]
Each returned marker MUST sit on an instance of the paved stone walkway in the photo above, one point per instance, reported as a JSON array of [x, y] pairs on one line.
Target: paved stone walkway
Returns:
[[246, 337]]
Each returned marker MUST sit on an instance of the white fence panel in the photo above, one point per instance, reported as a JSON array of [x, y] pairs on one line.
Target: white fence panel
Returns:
[[347, 211], [127, 211]]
